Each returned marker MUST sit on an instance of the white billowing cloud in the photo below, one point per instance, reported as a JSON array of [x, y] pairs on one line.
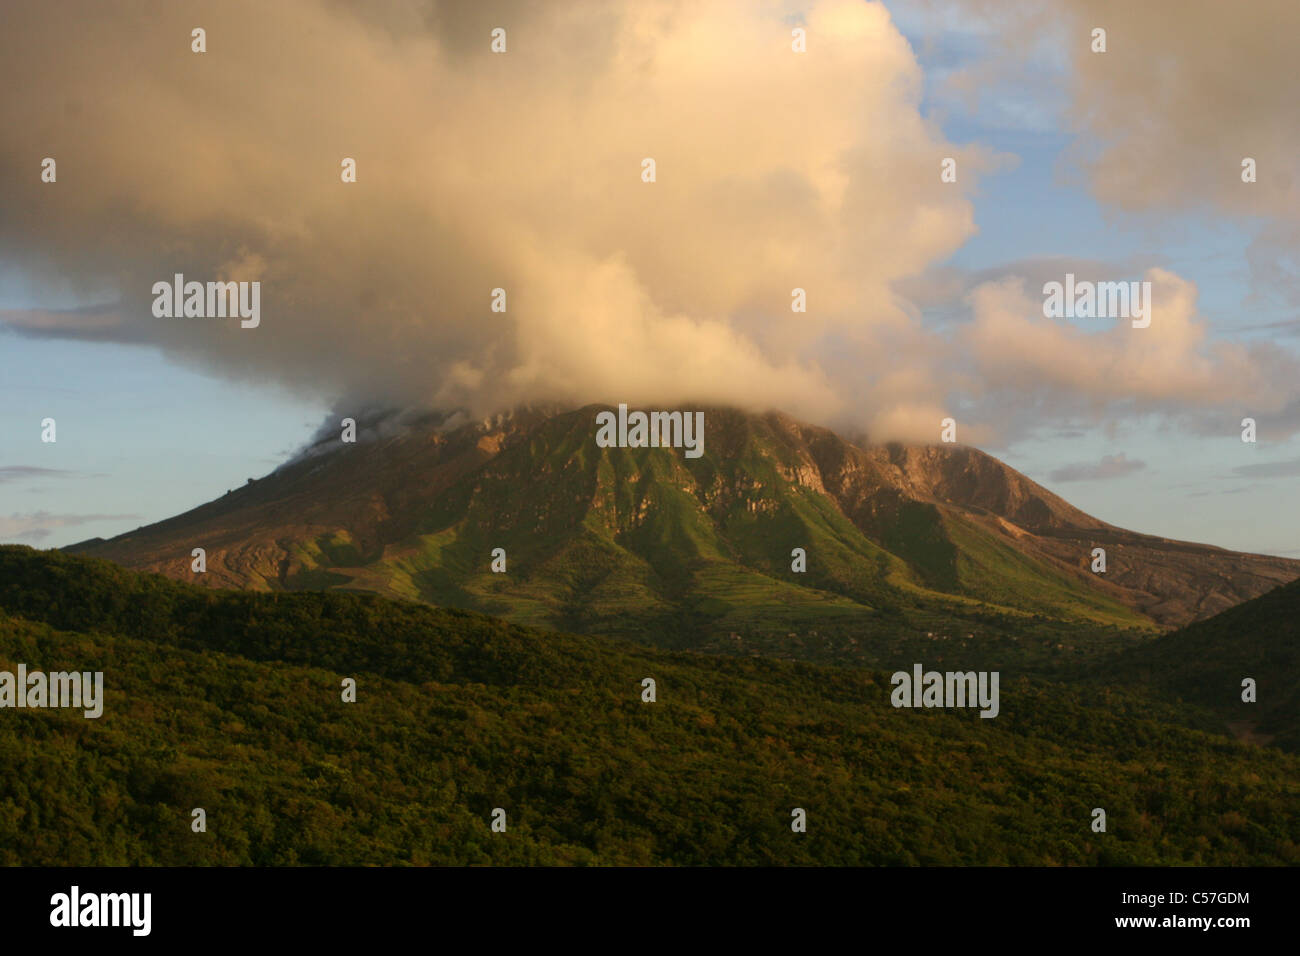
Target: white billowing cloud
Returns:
[[776, 170], [1185, 90], [1173, 365], [1163, 119]]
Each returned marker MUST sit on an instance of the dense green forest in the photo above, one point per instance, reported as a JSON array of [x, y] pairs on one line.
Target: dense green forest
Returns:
[[231, 702], [1204, 665]]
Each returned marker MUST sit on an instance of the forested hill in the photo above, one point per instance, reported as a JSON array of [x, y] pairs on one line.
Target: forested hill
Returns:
[[1206, 663], [231, 702]]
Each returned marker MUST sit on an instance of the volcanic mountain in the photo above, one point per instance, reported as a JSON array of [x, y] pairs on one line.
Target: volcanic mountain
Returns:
[[648, 541]]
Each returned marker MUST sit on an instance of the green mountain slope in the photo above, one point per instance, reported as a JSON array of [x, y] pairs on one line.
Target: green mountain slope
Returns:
[[231, 702], [685, 552]]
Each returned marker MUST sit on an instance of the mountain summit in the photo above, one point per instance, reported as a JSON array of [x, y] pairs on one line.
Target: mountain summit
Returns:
[[626, 539]]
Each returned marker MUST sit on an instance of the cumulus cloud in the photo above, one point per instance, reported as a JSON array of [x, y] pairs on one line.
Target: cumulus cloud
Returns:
[[1170, 131], [476, 171], [1110, 466], [1185, 91], [522, 171], [1173, 366]]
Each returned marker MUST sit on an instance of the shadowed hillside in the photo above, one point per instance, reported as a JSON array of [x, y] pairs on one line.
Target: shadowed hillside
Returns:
[[1205, 663]]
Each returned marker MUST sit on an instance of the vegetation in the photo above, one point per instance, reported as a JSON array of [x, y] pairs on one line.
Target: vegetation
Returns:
[[648, 544], [1203, 665], [231, 702]]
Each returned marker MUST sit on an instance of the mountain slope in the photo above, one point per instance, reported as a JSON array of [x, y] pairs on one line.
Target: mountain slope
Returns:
[[648, 541], [1206, 662], [230, 701]]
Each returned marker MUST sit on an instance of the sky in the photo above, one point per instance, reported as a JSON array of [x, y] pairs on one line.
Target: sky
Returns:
[[774, 170]]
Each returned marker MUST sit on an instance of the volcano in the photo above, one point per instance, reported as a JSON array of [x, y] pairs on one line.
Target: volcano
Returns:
[[651, 541]]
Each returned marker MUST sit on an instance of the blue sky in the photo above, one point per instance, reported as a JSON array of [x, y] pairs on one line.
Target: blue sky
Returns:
[[1190, 487], [141, 438], [138, 438]]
